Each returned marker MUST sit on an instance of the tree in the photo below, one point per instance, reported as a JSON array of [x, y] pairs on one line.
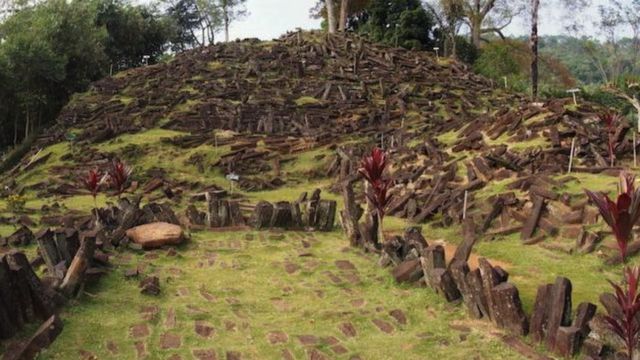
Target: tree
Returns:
[[44, 60], [399, 23], [349, 9], [186, 20], [331, 16], [232, 10], [344, 14], [485, 16], [196, 22], [512, 59], [133, 32], [535, 6], [450, 18], [211, 18]]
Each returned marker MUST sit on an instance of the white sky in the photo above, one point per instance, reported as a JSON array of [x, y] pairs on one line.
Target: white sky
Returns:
[[269, 19]]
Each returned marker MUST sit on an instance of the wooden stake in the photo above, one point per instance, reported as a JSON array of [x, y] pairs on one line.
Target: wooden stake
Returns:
[[573, 146]]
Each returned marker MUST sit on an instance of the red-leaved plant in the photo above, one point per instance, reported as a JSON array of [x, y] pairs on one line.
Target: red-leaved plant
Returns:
[[611, 120], [372, 169], [92, 182], [118, 176], [624, 322], [622, 214]]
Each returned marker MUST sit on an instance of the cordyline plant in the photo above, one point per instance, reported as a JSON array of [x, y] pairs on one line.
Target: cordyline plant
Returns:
[[92, 182], [624, 323], [611, 120], [622, 214], [372, 169], [118, 176]]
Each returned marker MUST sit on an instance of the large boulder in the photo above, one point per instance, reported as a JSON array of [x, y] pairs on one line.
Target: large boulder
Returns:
[[156, 235]]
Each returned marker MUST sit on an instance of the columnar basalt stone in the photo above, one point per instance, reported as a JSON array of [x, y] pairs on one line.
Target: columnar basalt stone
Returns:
[[392, 249], [325, 215], [463, 251], [282, 215], [21, 237], [408, 271], [350, 215], [67, 243], [80, 264], [413, 237], [432, 258], [218, 213], [223, 214], [235, 214], [568, 341], [560, 309], [10, 314], [442, 281], [195, 217], [532, 221], [47, 249], [311, 209], [262, 215], [155, 212], [23, 298], [593, 348], [508, 312], [43, 338], [459, 272], [477, 293], [584, 313], [490, 279], [540, 315]]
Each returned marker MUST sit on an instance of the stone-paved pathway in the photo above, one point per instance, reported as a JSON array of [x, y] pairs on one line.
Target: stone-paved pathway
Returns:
[[267, 296]]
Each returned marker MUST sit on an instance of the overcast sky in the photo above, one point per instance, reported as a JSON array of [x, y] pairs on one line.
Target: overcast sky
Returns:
[[269, 19]]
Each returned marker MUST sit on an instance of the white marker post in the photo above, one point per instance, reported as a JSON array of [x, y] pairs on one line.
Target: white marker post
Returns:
[[573, 93], [573, 147], [464, 205], [232, 177]]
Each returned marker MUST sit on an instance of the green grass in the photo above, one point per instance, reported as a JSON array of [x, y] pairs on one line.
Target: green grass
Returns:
[[259, 296], [449, 138], [307, 100], [153, 136]]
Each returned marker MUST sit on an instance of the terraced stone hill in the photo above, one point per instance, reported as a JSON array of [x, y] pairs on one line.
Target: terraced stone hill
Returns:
[[290, 116]]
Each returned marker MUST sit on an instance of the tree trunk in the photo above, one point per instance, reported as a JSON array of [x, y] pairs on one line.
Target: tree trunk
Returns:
[[26, 125], [476, 31], [226, 25], [331, 16], [15, 130], [344, 14], [535, 4]]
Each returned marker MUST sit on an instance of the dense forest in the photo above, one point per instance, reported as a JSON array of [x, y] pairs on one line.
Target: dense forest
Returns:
[[43, 61]]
